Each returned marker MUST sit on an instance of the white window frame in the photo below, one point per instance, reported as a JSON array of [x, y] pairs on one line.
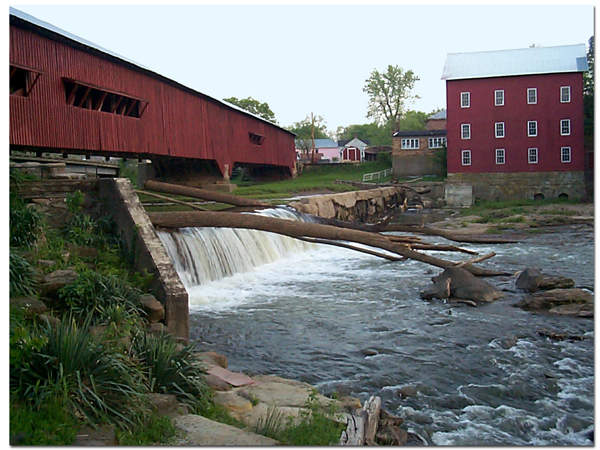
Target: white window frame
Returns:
[[565, 154], [499, 130], [465, 131], [531, 91], [500, 156], [565, 127], [499, 95], [565, 94], [410, 143], [530, 124], [532, 155], [437, 142], [465, 157], [465, 99]]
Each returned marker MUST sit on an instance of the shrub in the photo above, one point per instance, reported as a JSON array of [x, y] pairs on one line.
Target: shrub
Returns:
[[76, 370], [22, 281], [93, 292], [172, 368], [25, 223]]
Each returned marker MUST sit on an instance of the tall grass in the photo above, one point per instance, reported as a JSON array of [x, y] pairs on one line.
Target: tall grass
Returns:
[[73, 368]]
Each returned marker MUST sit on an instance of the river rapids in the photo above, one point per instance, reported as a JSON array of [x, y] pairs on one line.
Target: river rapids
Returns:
[[354, 324]]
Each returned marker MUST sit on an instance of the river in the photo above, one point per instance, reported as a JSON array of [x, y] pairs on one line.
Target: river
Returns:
[[353, 324]]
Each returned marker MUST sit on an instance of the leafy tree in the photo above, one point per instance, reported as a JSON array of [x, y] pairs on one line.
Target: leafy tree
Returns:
[[262, 110], [304, 132], [389, 93]]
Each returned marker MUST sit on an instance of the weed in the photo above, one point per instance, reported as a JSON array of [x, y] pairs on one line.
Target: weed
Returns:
[[156, 430], [22, 281], [49, 424]]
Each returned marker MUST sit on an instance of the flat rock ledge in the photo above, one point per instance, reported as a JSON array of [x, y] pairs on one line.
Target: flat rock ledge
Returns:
[[202, 431], [250, 400]]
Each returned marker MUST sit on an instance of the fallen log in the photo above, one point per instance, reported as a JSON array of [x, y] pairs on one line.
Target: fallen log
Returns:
[[202, 194], [180, 202], [373, 408], [351, 247], [430, 231], [299, 229]]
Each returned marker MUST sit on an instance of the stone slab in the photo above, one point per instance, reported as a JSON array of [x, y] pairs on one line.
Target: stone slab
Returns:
[[233, 378], [202, 431]]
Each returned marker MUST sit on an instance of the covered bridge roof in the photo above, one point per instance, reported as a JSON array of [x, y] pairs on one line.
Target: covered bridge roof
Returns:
[[526, 61], [52, 32]]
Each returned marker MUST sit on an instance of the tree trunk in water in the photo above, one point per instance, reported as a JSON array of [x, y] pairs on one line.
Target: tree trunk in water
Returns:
[[203, 194], [298, 229]]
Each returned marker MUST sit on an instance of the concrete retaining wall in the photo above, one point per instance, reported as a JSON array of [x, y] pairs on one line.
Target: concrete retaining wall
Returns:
[[120, 202], [359, 206]]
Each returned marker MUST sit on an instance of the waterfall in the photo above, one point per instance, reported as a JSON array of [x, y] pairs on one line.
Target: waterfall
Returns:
[[203, 255]]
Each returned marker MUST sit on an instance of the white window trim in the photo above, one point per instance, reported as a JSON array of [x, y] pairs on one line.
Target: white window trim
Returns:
[[465, 154], [562, 160], [529, 154], [500, 153], [408, 143], [437, 142], [496, 130], [462, 130], [561, 127], [535, 91], [496, 97], [468, 105], [568, 88], [529, 128]]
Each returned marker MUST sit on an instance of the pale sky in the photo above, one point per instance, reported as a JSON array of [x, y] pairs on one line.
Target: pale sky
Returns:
[[310, 58]]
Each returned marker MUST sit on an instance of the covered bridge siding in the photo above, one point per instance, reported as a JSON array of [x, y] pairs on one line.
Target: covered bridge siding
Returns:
[[82, 99]]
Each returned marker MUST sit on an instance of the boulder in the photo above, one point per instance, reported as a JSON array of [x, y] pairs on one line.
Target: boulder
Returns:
[[163, 404], [214, 358], [155, 311], [573, 302], [533, 280], [52, 282], [31, 305], [457, 283]]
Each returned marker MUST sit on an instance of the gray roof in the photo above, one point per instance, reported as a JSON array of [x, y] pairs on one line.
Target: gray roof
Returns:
[[321, 143], [526, 61], [441, 115]]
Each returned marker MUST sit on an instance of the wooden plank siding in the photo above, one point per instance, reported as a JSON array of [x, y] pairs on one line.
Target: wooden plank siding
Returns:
[[177, 121]]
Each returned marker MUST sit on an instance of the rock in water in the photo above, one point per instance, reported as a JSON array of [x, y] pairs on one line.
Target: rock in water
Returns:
[[463, 285], [533, 280]]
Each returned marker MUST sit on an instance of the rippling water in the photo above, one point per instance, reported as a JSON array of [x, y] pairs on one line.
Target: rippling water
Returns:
[[354, 324]]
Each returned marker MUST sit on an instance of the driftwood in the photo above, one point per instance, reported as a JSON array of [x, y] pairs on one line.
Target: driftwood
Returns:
[[203, 194], [352, 247], [361, 427], [299, 229], [180, 202], [420, 229]]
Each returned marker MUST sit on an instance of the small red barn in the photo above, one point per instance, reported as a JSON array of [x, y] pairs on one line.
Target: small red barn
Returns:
[[515, 121]]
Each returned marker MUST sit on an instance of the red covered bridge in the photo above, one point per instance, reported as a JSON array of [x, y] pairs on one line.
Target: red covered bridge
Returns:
[[70, 96]]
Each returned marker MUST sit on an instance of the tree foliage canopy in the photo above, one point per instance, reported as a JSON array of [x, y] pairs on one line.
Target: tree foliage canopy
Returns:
[[303, 131], [255, 107], [389, 93]]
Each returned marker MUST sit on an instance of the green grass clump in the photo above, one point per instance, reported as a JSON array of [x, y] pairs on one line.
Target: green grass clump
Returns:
[[49, 424], [317, 425]]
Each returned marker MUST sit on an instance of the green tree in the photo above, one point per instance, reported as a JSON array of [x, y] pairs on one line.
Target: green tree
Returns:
[[304, 132], [257, 108], [389, 93]]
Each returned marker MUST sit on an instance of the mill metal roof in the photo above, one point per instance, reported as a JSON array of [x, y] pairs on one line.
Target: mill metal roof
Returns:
[[438, 116], [526, 61]]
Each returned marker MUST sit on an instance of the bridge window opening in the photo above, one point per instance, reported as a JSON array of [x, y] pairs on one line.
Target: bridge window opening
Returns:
[[22, 80], [89, 97], [256, 139]]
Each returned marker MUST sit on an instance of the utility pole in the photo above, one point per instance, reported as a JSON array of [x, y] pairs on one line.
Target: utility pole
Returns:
[[312, 136]]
